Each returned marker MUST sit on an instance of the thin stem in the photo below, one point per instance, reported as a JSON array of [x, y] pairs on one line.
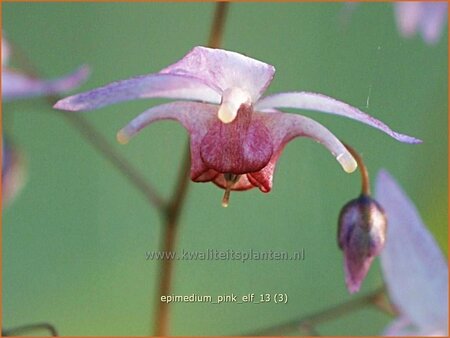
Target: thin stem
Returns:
[[20, 330], [310, 322], [168, 240], [99, 142], [365, 183], [173, 211], [215, 37]]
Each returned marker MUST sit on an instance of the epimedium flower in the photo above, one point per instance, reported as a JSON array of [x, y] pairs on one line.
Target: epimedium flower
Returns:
[[18, 85], [236, 136], [414, 268], [426, 17]]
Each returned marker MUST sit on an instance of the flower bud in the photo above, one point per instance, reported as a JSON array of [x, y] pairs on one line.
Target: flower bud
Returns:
[[361, 235]]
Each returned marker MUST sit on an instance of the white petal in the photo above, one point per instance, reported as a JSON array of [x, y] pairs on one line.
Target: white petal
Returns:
[[232, 99], [414, 268], [225, 70], [325, 104]]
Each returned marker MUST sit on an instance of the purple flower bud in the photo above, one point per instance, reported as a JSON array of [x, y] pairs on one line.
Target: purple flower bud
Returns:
[[361, 235]]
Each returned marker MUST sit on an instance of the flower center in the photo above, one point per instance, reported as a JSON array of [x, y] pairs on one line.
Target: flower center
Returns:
[[239, 147], [232, 99]]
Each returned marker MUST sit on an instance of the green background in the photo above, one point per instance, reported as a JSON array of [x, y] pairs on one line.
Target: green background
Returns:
[[74, 241]]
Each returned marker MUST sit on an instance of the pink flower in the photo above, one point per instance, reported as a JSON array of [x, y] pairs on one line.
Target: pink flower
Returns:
[[415, 271], [17, 85], [427, 17], [236, 136]]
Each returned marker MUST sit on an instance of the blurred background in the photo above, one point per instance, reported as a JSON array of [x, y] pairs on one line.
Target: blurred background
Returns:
[[74, 240]]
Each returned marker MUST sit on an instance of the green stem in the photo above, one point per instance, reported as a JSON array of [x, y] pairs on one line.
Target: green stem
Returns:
[[94, 137], [168, 240], [309, 323], [365, 183], [101, 144], [24, 329]]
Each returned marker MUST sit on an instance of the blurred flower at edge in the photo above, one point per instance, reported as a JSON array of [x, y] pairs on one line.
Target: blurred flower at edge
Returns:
[[426, 17], [414, 268], [17, 85]]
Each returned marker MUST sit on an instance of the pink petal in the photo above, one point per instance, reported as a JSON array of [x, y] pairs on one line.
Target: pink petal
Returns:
[[146, 86], [434, 15], [194, 116], [240, 147], [408, 15], [325, 104], [18, 85], [413, 265], [225, 70], [263, 179], [284, 127]]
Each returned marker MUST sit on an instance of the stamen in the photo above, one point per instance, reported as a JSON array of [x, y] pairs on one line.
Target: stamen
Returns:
[[231, 179], [226, 196]]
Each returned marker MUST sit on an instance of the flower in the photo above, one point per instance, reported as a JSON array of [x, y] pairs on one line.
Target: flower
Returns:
[[17, 85], [414, 268], [236, 137], [427, 17], [361, 235]]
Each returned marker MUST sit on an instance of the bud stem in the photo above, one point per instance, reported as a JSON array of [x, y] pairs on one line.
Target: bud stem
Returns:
[[365, 184]]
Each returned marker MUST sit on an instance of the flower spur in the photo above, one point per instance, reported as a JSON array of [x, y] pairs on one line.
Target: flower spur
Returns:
[[236, 137]]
